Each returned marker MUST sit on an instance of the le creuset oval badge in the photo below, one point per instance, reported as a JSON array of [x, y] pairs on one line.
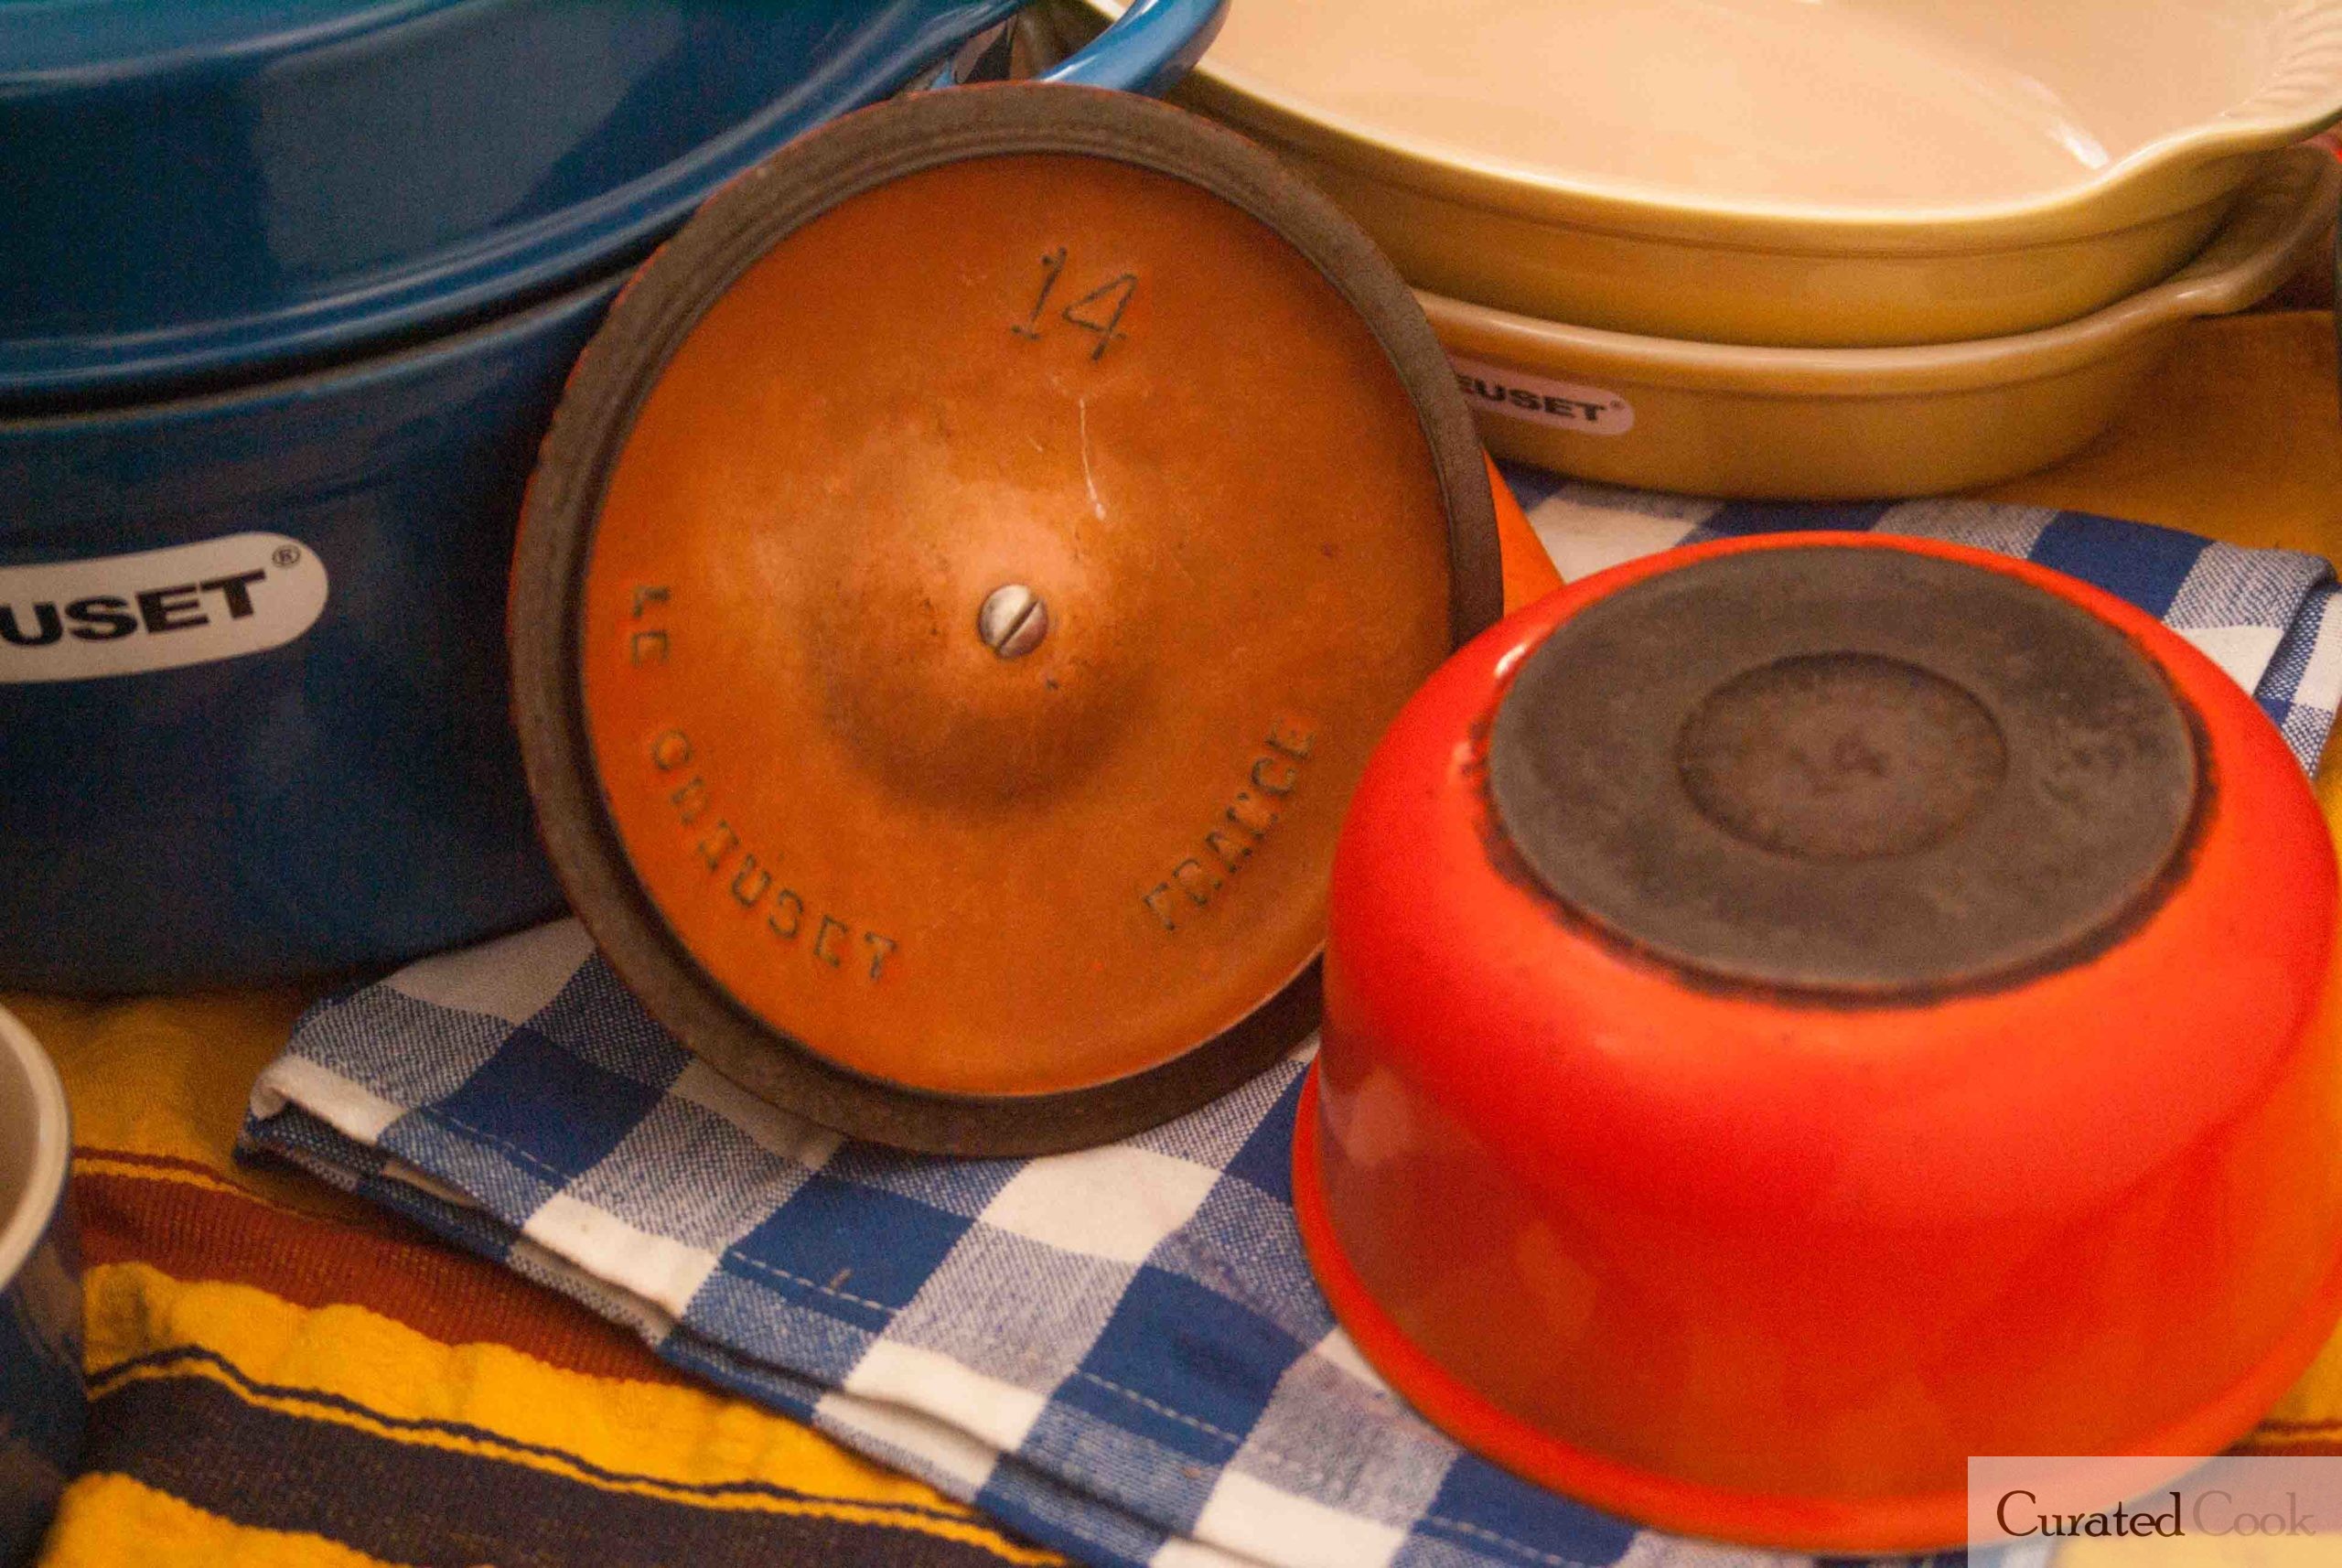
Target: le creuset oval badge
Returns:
[[156, 610], [1567, 405]]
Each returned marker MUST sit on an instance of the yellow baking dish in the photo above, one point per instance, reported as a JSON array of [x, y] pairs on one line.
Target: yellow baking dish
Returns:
[[1726, 419], [1810, 172]]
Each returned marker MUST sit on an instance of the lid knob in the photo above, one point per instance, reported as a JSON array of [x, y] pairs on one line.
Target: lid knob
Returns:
[[1013, 620]]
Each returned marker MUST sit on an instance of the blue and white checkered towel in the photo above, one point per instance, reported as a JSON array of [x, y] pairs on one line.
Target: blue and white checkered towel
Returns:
[[1118, 1353]]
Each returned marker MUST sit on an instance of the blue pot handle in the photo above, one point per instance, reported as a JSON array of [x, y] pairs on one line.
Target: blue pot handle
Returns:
[[1150, 45]]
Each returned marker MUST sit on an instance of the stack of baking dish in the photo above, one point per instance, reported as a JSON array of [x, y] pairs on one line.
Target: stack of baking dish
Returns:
[[1803, 247]]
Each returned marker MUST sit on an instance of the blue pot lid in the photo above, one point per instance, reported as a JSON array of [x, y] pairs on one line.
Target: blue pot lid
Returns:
[[94, 40], [212, 192]]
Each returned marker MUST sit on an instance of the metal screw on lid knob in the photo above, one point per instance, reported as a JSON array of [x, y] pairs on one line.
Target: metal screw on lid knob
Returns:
[[1013, 620]]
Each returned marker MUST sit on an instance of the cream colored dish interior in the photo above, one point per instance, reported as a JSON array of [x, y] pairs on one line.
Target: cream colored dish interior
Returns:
[[1806, 106]]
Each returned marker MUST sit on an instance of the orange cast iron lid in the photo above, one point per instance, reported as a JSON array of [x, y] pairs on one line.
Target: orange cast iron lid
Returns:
[[961, 589], [1800, 1013]]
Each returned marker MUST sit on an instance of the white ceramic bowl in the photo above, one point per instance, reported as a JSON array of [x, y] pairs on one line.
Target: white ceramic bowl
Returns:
[[40, 1299]]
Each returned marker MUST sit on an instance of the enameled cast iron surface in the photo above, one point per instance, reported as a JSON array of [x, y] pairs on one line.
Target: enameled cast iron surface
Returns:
[[208, 192], [1760, 1237], [254, 700], [213, 190], [872, 863], [350, 794]]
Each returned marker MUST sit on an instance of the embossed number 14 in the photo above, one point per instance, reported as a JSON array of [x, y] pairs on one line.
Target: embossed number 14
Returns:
[[1099, 312]]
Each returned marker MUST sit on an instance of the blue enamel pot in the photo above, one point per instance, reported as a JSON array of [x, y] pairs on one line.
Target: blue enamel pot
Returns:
[[253, 707], [41, 1401], [199, 190], [305, 769]]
